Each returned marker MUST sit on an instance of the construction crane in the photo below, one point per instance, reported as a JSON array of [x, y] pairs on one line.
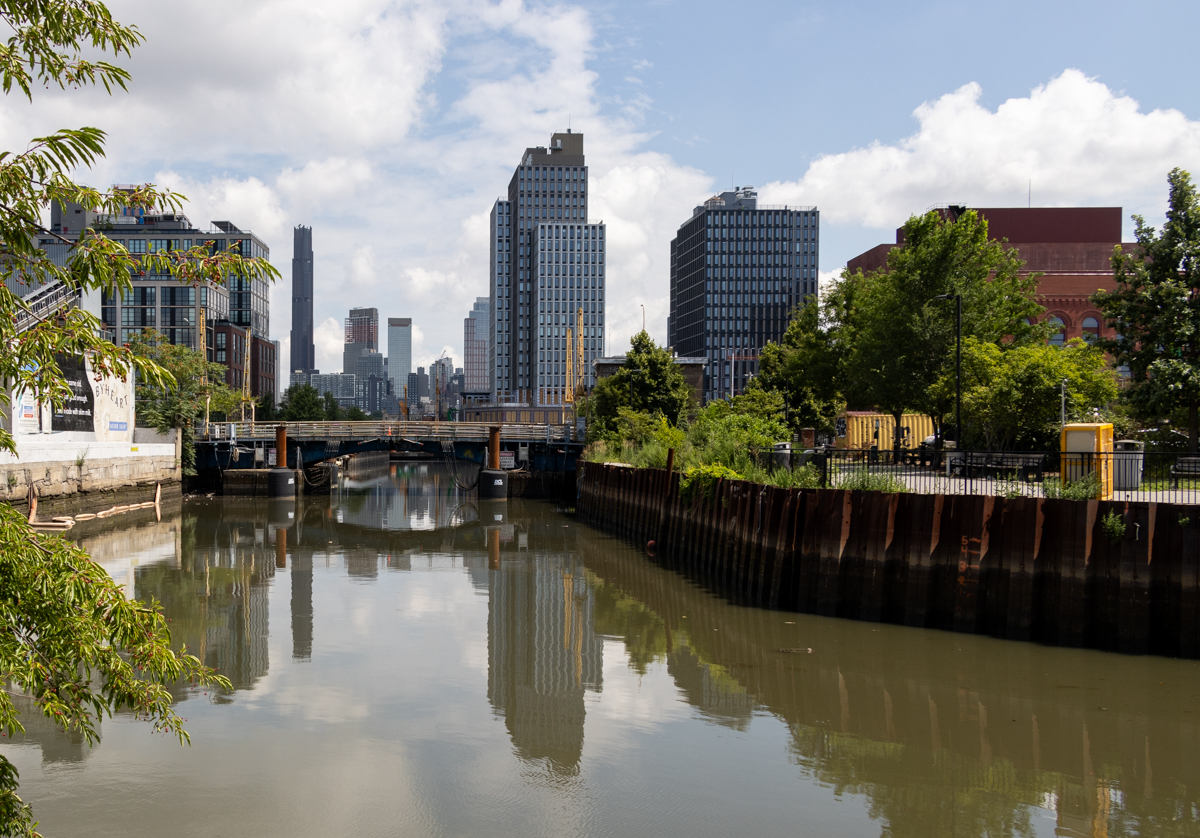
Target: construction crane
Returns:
[[247, 366], [203, 357], [575, 360]]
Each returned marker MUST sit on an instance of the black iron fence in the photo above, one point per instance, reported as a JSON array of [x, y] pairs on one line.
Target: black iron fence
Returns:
[[1120, 475]]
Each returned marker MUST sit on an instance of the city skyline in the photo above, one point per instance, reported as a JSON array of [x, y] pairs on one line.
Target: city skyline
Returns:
[[868, 146]]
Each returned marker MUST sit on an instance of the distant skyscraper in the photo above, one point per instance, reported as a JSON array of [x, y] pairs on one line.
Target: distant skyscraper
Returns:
[[475, 347], [399, 353], [302, 298], [362, 335], [737, 270], [547, 267]]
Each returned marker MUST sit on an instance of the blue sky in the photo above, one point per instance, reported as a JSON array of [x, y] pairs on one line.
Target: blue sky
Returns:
[[391, 125]]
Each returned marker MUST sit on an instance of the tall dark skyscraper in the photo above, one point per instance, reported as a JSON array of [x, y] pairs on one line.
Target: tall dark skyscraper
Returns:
[[302, 300]]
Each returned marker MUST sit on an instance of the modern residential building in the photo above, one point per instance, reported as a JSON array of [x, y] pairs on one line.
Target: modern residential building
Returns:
[[159, 301], [264, 355], [399, 353], [340, 384], [440, 373], [1070, 246], [229, 348], [371, 382], [303, 353], [475, 346], [737, 270], [546, 276], [362, 335], [412, 395]]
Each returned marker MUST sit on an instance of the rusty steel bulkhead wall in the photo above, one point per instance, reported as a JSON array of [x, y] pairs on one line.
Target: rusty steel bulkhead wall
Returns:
[[1023, 568]]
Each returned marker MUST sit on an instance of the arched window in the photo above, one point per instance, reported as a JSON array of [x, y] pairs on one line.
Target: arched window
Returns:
[[1059, 336], [1091, 329]]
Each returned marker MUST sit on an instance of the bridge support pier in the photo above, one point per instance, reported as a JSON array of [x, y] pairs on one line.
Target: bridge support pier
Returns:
[[493, 481], [281, 481]]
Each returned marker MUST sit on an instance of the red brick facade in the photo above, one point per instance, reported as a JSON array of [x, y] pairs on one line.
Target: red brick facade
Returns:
[[1071, 246]]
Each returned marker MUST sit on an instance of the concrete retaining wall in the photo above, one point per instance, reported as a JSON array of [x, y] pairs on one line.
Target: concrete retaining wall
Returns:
[[1023, 568]]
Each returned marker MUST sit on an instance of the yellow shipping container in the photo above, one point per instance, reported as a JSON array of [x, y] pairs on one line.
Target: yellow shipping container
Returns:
[[860, 429]]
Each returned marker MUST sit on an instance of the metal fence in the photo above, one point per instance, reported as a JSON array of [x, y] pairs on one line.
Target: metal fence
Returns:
[[1121, 475]]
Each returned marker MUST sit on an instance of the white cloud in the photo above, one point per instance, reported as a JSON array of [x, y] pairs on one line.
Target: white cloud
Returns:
[[390, 132], [1077, 141], [390, 127], [329, 339]]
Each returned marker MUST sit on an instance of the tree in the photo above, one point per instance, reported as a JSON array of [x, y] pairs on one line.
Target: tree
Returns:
[[333, 411], [804, 368], [70, 639], [301, 403], [1155, 309], [195, 386], [901, 339], [354, 413], [1011, 395], [648, 382]]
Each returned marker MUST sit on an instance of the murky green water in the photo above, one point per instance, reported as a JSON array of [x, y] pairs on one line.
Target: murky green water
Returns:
[[391, 679]]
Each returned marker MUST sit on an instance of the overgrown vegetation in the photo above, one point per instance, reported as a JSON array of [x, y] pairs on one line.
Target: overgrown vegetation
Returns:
[[1086, 487], [1114, 527], [195, 386]]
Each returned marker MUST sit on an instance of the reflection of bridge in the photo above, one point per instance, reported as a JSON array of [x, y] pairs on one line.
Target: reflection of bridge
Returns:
[[238, 445]]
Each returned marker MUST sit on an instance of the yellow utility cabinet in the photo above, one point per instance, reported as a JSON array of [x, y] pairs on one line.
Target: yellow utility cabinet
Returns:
[[1087, 447]]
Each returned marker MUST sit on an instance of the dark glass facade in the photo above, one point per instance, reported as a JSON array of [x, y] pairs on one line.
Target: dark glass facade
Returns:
[[737, 272]]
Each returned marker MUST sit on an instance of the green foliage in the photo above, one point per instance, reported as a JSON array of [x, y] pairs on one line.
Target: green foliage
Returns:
[[1086, 487], [331, 408], [804, 367], [70, 639], [704, 479], [1011, 394], [354, 413], [302, 403], [903, 339], [864, 480], [649, 382], [180, 399], [1113, 526], [1156, 310], [78, 648], [882, 341]]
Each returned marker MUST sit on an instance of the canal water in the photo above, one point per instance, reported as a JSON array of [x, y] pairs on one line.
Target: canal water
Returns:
[[407, 662]]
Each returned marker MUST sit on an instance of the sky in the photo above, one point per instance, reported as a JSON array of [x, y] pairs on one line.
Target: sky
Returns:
[[390, 127]]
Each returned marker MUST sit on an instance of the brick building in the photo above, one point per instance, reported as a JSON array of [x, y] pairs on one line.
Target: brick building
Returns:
[[1071, 246]]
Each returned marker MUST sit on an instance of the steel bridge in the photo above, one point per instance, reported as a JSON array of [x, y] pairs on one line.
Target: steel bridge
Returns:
[[239, 445]]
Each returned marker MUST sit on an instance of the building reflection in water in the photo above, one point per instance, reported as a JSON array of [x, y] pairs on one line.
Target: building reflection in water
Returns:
[[403, 496], [217, 594], [937, 740], [940, 741], [543, 649]]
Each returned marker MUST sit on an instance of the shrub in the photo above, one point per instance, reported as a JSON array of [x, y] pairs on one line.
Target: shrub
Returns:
[[1085, 488], [1113, 526], [867, 482], [704, 479]]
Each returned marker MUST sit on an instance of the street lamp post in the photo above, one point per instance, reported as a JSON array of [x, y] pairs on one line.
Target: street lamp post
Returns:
[[958, 366]]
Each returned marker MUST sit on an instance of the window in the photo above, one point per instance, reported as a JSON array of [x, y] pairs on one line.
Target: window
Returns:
[[1059, 337], [1091, 329]]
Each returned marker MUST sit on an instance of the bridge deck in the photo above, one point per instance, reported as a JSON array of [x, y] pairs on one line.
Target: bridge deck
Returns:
[[450, 431]]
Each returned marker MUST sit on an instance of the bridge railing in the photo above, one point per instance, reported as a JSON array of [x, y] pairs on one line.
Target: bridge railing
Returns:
[[382, 429]]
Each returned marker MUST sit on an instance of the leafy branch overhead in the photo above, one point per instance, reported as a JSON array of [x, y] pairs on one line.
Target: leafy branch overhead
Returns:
[[71, 641]]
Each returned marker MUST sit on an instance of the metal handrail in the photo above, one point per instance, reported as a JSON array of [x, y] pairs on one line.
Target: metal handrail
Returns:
[[376, 429]]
